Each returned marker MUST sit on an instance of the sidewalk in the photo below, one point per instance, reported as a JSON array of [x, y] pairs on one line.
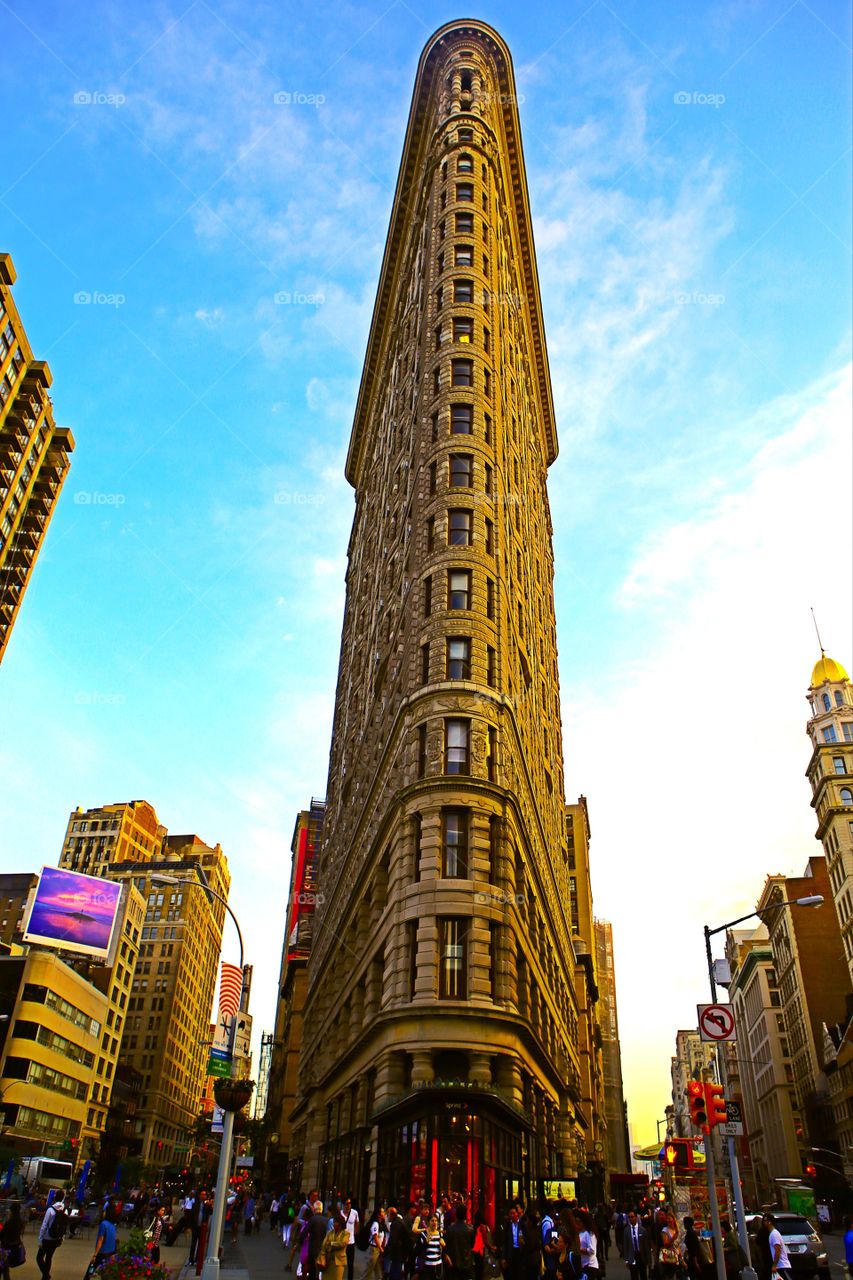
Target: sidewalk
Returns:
[[257, 1257]]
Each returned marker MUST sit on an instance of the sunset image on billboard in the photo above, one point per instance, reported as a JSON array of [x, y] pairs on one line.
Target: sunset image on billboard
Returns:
[[73, 912]]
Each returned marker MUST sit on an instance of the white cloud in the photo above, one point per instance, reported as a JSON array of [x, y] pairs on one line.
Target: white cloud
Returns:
[[691, 745]]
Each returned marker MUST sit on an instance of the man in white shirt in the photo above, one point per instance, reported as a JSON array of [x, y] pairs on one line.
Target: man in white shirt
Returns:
[[780, 1261], [350, 1217]]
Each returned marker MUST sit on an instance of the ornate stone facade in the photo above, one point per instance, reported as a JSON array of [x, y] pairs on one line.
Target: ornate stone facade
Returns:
[[441, 998]]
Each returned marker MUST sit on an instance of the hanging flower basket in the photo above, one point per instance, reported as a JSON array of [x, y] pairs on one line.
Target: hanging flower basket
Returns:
[[232, 1095]]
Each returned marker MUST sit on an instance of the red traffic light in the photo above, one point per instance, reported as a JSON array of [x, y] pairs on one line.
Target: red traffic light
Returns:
[[715, 1104], [670, 1153], [811, 1171], [697, 1104]]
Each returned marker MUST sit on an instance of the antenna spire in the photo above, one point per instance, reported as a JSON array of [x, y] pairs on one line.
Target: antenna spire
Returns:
[[817, 633]]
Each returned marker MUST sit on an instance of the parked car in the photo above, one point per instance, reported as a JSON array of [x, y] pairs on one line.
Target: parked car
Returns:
[[802, 1240]]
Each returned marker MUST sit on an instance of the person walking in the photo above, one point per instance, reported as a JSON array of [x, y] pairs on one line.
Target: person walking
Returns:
[[12, 1251], [459, 1246], [105, 1244], [315, 1234], [351, 1222], [197, 1216], [157, 1228], [780, 1261], [376, 1246], [397, 1246], [332, 1258], [512, 1246], [636, 1249], [588, 1244], [669, 1259], [51, 1234]]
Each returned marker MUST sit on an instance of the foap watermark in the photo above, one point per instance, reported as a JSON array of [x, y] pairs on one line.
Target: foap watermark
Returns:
[[95, 298], [298, 498], [83, 98], [504, 99], [503, 299], [497, 898], [696, 299], [284, 98], [697, 99], [92, 498], [288, 298], [308, 899], [96, 698]]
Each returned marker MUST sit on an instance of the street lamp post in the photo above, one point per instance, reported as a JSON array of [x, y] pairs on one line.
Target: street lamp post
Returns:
[[813, 900], [210, 1270]]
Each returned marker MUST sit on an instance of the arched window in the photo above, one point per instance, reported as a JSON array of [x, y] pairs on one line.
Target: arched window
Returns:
[[847, 796], [827, 705], [839, 698], [466, 82], [465, 163]]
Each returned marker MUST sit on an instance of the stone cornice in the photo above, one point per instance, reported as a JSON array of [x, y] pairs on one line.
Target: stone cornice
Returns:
[[405, 201]]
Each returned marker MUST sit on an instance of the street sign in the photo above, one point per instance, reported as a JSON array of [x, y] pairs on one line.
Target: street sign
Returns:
[[716, 1022], [219, 1067], [733, 1128]]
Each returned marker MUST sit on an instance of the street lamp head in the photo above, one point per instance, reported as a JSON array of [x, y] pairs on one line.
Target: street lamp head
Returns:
[[813, 900], [157, 877]]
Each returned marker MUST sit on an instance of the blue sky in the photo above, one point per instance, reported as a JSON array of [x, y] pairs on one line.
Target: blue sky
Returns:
[[689, 171]]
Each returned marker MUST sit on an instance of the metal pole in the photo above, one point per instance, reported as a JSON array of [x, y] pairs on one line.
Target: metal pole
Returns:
[[719, 1260]]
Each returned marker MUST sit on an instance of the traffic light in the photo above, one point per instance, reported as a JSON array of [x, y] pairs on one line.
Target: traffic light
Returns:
[[715, 1104], [670, 1153], [697, 1103], [811, 1171]]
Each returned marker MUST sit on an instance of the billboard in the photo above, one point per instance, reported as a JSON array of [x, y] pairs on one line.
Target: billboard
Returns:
[[303, 899], [73, 912]]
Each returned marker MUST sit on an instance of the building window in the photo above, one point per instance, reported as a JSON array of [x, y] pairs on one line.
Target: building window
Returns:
[[412, 931], [492, 754], [432, 478], [846, 793], [436, 380], [490, 598], [464, 224], [487, 341], [459, 589], [462, 373], [465, 135], [490, 538], [438, 338], [461, 419], [490, 666], [847, 730], [839, 698], [435, 426], [463, 290], [431, 533], [459, 527], [461, 470], [425, 664], [464, 191], [417, 837], [463, 329], [454, 844], [838, 764], [442, 230], [439, 297], [453, 960], [422, 750], [487, 479], [827, 705], [487, 383], [488, 428], [829, 734], [465, 163], [427, 596], [440, 261], [463, 255], [457, 734], [458, 658], [494, 847]]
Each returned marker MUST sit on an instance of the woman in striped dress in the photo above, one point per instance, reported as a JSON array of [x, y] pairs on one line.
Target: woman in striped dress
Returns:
[[432, 1251]]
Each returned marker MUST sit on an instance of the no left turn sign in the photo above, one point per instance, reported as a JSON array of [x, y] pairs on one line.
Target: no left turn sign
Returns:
[[716, 1022]]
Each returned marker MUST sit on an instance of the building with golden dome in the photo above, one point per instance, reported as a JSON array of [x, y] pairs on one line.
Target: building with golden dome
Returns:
[[440, 1043], [830, 772]]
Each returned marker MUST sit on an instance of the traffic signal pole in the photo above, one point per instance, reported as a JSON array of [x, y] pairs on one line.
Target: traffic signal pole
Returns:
[[748, 1272], [719, 1259]]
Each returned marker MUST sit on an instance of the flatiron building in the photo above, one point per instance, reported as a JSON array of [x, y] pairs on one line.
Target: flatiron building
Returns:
[[440, 1034]]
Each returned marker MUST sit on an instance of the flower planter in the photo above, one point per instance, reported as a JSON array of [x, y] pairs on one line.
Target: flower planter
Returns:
[[232, 1095]]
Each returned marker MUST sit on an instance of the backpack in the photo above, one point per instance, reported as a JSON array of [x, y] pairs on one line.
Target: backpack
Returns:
[[58, 1224], [362, 1236]]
